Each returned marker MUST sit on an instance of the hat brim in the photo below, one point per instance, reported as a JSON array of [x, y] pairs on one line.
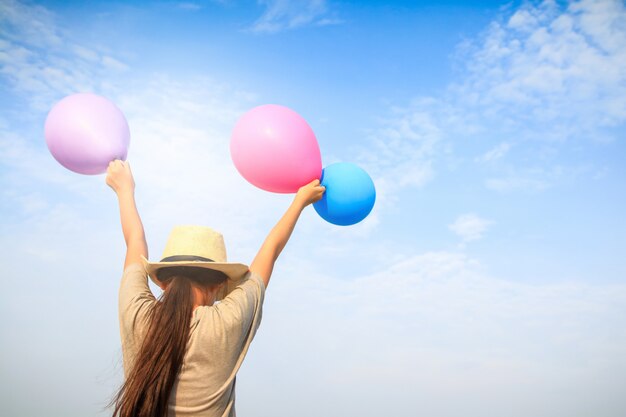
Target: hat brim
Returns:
[[236, 272]]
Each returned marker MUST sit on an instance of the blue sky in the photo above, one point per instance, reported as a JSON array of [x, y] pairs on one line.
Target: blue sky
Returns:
[[489, 278]]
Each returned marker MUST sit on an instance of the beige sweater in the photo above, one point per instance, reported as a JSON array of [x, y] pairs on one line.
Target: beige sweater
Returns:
[[219, 339]]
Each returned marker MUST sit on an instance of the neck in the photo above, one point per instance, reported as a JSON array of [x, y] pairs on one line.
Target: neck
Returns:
[[204, 296]]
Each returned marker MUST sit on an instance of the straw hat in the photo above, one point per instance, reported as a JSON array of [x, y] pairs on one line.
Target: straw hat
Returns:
[[198, 246]]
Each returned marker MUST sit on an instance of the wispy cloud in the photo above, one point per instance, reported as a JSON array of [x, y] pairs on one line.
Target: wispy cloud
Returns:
[[470, 227], [560, 68], [547, 73], [509, 184], [496, 153], [113, 64], [66, 67], [538, 177], [282, 15], [435, 326], [31, 24], [400, 153]]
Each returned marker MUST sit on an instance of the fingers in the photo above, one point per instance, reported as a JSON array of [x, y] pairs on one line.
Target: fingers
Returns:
[[117, 170], [118, 164], [113, 164], [119, 177], [317, 191], [316, 185]]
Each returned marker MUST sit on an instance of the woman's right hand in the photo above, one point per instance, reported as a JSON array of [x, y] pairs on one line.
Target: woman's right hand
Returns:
[[119, 177], [310, 193]]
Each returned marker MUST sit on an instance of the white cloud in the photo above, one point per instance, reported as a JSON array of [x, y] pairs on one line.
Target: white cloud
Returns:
[[66, 67], [113, 64], [516, 183], [85, 53], [559, 68], [470, 227], [30, 163], [400, 152], [31, 24], [539, 178], [541, 74], [433, 334], [282, 15], [496, 153]]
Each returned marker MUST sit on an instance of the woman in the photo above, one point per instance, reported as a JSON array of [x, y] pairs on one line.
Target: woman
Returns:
[[182, 352]]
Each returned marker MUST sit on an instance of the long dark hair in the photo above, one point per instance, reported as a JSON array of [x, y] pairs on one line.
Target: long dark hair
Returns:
[[146, 391]]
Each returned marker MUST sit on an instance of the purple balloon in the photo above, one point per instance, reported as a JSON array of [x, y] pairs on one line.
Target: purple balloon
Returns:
[[85, 132]]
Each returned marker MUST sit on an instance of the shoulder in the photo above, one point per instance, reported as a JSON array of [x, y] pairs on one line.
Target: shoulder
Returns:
[[134, 277], [253, 280], [241, 304], [134, 286], [250, 290]]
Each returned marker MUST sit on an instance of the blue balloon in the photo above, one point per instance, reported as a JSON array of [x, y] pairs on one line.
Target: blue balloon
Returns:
[[349, 196]]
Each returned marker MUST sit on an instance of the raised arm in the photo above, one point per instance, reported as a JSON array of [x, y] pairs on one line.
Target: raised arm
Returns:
[[120, 179], [263, 263]]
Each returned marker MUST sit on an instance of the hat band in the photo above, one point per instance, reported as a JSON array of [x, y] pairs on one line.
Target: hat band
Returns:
[[180, 258]]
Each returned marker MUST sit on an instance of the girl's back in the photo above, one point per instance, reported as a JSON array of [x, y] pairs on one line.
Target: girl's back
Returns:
[[218, 341]]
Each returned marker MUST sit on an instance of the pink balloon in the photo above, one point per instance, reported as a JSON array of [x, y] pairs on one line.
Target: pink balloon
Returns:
[[275, 149], [85, 132]]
